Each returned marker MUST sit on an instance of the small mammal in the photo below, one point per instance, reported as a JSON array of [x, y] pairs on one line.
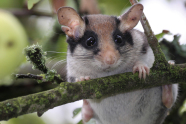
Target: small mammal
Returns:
[[101, 45]]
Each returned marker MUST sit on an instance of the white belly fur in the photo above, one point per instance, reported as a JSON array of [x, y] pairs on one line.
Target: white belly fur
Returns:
[[129, 108]]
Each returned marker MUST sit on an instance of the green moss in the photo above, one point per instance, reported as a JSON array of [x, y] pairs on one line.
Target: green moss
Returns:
[[65, 97], [63, 85], [75, 97], [43, 101], [52, 96], [133, 77], [37, 57], [174, 72], [98, 94], [35, 98], [50, 75], [160, 61], [33, 108], [70, 87], [10, 108], [113, 80], [29, 101], [8, 104]]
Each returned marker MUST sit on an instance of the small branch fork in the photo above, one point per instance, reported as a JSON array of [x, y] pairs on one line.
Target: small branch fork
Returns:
[[26, 12], [160, 61], [161, 74], [36, 56]]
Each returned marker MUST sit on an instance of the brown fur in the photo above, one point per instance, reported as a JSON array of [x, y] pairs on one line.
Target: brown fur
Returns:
[[104, 26]]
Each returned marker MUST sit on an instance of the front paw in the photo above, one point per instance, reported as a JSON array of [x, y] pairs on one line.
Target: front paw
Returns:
[[171, 62], [82, 78], [142, 69]]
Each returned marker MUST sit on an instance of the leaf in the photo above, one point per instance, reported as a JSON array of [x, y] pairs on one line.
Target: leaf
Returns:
[[183, 47], [30, 3], [182, 108], [113, 7], [76, 112], [80, 122], [163, 33], [92, 121]]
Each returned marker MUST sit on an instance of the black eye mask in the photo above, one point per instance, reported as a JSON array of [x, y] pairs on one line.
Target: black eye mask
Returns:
[[89, 41]]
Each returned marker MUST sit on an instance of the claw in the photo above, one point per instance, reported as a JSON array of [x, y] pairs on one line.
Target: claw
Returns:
[[148, 70], [87, 77], [83, 78], [171, 62], [140, 73], [142, 69], [144, 73]]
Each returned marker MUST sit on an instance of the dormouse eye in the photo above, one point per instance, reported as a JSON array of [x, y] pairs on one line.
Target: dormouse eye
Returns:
[[90, 41], [118, 39]]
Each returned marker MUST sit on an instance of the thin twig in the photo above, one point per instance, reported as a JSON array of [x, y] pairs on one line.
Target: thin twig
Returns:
[[31, 76], [77, 5], [181, 65], [26, 12], [37, 57]]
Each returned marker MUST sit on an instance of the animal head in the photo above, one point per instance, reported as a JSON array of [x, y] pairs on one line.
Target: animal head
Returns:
[[99, 37]]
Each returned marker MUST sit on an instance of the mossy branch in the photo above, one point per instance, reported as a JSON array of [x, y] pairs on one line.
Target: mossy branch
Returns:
[[96, 88], [37, 57], [31, 76], [161, 74]]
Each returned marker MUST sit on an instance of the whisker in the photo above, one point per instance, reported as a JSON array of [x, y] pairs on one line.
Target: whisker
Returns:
[[125, 51], [55, 52], [63, 70], [84, 57], [54, 58], [58, 63]]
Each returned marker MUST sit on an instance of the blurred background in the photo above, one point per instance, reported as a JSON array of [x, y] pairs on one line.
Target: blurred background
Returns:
[[27, 22]]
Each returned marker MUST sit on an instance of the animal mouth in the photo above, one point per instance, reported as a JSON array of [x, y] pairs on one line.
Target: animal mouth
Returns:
[[108, 68]]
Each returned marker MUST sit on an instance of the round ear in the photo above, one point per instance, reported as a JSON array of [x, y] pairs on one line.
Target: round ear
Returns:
[[72, 24], [131, 18]]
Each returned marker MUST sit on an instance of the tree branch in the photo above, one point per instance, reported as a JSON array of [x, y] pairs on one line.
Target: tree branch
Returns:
[[91, 89], [22, 76], [26, 12], [181, 65], [37, 57]]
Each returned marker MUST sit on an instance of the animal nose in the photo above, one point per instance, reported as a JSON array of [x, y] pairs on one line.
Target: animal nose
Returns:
[[110, 58]]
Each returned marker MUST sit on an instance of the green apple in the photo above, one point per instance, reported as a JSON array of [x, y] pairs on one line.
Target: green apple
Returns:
[[13, 40]]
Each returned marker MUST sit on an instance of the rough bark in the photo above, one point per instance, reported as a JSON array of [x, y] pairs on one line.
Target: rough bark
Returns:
[[70, 92]]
